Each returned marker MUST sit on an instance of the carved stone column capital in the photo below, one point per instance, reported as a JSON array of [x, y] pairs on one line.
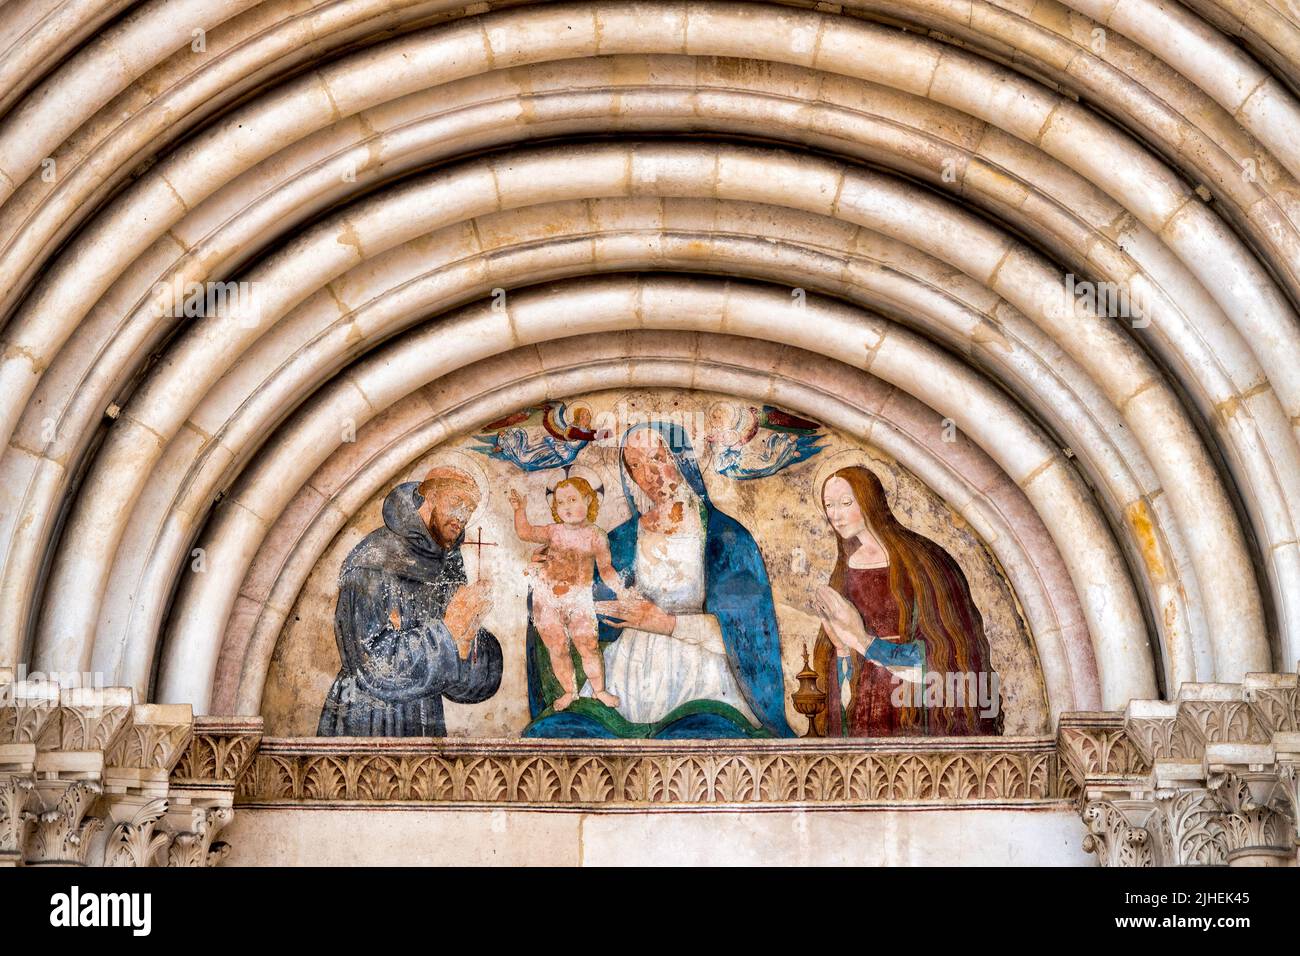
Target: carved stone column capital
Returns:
[[62, 833], [137, 841], [1188, 829], [69, 773], [162, 781], [18, 805], [193, 835], [1286, 746], [1113, 779], [25, 710], [1117, 832], [136, 782], [203, 784], [1257, 816]]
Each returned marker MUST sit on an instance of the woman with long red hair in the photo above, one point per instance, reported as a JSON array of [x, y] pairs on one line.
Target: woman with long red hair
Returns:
[[899, 627]]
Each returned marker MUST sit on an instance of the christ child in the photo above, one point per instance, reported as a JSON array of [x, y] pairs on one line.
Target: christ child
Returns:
[[563, 608]]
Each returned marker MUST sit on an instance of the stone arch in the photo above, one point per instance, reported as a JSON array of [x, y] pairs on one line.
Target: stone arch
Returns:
[[1021, 148]]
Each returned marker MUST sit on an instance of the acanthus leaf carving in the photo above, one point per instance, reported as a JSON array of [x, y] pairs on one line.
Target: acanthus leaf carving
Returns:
[[62, 834], [18, 802], [1187, 822], [137, 842], [1255, 811], [1113, 836], [1096, 747], [715, 775], [197, 845]]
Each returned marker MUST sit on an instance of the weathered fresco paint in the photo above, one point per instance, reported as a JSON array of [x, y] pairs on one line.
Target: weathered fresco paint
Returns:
[[405, 619], [897, 611], [654, 564], [695, 651]]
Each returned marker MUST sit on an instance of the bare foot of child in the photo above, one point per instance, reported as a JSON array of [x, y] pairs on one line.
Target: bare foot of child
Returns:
[[562, 702], [606, 698]]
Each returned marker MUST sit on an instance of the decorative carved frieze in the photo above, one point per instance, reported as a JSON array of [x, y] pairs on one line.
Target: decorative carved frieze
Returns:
[[1097, 750], [220, 750], [1275, 700], [1218, 713], [1154, 729], [29, 712], [1067, 788], [1206, 779], [91, 718], [156, 738], [530, 773]]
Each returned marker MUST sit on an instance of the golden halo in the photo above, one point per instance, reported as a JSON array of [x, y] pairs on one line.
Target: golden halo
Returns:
[[591, 476], [571, 412], [461, 461], [848, 458]]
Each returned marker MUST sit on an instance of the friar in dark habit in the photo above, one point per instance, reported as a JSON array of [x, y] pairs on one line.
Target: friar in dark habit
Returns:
[[407, 623]]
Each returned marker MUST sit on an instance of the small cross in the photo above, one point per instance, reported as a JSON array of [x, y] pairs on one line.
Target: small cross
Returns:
[[480, 544]]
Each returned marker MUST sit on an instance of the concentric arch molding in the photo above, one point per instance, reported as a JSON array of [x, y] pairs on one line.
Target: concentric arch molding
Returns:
[[674, 775]]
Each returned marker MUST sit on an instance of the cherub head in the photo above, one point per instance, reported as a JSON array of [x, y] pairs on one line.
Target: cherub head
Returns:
[[574, 502], [581, 416], [723, 415]]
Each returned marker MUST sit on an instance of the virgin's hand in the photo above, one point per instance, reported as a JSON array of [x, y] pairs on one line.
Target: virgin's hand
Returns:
[[637, 612]]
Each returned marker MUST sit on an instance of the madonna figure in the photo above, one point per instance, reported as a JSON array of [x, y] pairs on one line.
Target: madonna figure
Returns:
[[691, 650], [899, 628]]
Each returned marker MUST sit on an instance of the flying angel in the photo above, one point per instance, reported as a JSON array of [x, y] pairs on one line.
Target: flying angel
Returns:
[[779, 440], [539, 437]]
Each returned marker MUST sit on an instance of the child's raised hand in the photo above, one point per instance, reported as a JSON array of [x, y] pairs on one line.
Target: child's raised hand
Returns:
[[516, 501]]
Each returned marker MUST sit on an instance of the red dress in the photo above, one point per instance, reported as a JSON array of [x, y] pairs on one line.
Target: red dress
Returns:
[[870, 711]]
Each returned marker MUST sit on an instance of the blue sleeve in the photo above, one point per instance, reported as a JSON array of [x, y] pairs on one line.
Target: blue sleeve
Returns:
[[896, 655]]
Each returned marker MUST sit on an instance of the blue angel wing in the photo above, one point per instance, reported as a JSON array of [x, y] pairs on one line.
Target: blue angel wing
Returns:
[[780, 450], [516, 446]]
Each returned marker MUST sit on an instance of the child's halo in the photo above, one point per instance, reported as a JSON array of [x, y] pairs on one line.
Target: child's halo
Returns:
[[590, 475]]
